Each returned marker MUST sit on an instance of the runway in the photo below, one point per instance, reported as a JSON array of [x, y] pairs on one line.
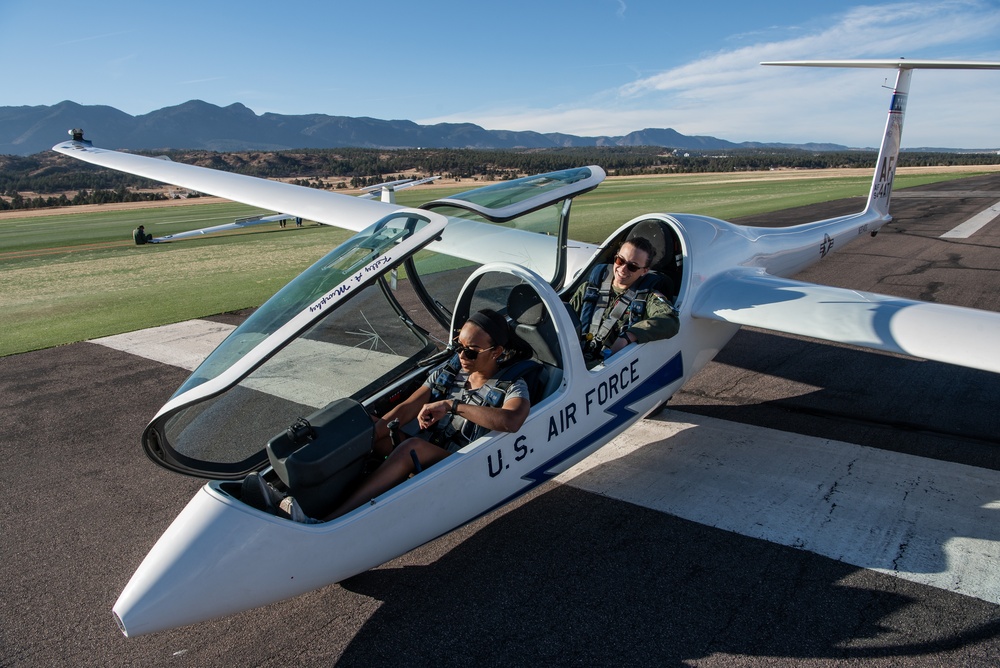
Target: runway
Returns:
[[813, 505]]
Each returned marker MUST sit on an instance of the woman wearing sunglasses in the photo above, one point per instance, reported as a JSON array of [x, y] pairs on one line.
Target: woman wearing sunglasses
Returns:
[[619, 303], [453, 407]]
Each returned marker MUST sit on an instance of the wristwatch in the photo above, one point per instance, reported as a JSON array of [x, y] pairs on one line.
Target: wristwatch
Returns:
[[454, 407]]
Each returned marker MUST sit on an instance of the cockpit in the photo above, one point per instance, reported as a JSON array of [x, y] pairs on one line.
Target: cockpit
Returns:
[[367, 320]]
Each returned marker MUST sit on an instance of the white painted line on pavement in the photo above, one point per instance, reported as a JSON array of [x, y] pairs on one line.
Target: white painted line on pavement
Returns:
[[183, 344], [974, 224], [305, 371], [924, 520]]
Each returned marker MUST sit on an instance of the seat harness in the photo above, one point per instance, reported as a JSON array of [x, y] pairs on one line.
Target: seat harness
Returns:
[[452, 430], [601, 330]]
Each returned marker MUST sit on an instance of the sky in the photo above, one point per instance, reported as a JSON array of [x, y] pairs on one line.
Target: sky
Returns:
[[584, 67]]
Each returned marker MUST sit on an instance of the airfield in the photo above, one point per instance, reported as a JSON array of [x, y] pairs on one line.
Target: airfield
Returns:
[[797, 503]]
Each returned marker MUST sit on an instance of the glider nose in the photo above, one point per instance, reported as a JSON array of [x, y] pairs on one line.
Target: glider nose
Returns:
[[121, 625], [207, 564], [164, 589]]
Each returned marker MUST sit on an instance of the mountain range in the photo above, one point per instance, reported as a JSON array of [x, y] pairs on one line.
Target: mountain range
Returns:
[[26, 130]]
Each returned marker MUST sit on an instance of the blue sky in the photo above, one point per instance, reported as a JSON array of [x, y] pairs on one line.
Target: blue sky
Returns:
[[588, 67]]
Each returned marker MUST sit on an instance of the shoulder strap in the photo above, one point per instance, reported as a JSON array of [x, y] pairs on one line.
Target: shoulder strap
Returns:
[[598, 273], [595, 299], [444, 378], [511, 374], [632, 303], [497, 392], [642, 288], [507, 377], [648, 282]]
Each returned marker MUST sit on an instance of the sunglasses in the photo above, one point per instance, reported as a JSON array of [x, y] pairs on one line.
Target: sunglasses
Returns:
[[468, 353], [631, 266]]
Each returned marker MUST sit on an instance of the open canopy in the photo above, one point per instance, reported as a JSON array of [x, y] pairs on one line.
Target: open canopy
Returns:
[[371, 312]]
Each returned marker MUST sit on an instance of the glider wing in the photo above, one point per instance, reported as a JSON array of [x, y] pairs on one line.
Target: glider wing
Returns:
[[941, 332], [344, 211]]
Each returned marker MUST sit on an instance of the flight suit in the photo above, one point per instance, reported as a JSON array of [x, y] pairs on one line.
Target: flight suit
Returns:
[[658, 320]]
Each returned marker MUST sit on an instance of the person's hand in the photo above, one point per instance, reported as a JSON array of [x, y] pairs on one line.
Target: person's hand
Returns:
[[621, 342], [433, 412]]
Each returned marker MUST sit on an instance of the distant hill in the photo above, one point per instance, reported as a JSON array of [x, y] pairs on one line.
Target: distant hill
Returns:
[[200, 125]]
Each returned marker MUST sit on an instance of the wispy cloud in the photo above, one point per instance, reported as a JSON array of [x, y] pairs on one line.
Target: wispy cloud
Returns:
[[730, 95], [92, 38], [863, 32], [200, 81]]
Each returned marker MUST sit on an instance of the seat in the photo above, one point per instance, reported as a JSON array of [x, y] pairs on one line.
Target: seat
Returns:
[[533, 326], [666, 262]]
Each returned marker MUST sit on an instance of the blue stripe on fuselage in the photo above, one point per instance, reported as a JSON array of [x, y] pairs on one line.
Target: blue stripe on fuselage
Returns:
[[669, 372]]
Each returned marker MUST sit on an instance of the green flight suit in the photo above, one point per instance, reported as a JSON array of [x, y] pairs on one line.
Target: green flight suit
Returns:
[[659, 322]]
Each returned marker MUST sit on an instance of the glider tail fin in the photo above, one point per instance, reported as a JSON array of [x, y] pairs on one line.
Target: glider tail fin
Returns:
[[888, 155], [885, 167]]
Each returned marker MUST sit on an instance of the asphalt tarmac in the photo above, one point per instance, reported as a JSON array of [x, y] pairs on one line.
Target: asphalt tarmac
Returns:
[[563, 576], [885, 401]]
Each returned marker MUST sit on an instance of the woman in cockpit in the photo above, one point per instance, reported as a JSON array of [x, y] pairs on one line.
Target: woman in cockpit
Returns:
[[449, 407], [460, 400]]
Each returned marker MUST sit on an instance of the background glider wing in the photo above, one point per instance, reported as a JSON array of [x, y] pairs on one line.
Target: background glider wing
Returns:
[[335, 209], [464, 239], [383, 190], [236, 225], [371, 192], [940, 332]]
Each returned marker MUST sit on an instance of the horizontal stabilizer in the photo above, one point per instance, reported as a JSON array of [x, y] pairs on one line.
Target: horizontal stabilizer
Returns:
[[385, 191], [940, 332], [899, 63], [387, 184]]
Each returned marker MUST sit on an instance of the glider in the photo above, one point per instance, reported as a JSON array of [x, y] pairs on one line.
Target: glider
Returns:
[[340, 341], [386, 192]]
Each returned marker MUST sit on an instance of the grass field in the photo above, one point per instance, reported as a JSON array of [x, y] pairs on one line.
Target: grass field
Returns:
[[76, 276]]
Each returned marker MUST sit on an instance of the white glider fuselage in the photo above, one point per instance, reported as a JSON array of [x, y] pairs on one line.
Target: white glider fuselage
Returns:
[[217, 542]]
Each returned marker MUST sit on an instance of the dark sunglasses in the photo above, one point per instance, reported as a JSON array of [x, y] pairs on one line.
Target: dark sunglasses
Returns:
[[631, 266], [468, 353]]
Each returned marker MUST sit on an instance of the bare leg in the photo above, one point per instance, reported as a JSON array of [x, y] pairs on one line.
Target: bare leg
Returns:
[[382, 446], [394, 470]]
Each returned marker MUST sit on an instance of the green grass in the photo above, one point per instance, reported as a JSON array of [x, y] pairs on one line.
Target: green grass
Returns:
[[73, 277], [599, 213], [113, 226]]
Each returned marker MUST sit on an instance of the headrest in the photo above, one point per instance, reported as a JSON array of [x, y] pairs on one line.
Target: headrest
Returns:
[[653, 231], [524, 306]]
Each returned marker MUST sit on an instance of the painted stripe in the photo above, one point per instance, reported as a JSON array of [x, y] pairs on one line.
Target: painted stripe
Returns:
[[304, 372], [183, 344], [619, 414], [945, 194], [923, 520], [919, 519], [974, 224]]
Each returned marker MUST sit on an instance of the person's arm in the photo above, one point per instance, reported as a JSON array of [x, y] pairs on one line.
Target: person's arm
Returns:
[[508, 417], [661, 322], [406, 411]]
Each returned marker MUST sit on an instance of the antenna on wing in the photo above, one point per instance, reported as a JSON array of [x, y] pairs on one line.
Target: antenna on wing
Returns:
[[77, 135], [885, 166], [388, 189]]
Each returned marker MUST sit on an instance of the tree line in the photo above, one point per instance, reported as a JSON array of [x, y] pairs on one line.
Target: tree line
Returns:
[[50, 176], [120, 194]]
